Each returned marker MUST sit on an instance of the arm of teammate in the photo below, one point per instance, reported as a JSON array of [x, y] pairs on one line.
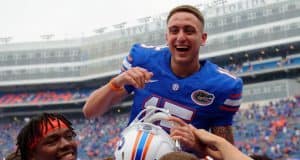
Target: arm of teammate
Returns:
[[103, 98], [216, 146]]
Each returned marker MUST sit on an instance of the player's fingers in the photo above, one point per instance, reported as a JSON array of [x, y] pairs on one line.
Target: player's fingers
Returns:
[[148, 76], [137, 77], [145, 73], [131, 81], [127, 78], [176, 138], [184, 141], [181, 139], [192, 128], [140, 75], [184, 133], [177, 131]]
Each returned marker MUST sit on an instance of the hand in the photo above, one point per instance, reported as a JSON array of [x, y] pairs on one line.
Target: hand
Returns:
[[208, 142], [182, 132], [218, 147], [200, 141], [135, 76], [205, 136]]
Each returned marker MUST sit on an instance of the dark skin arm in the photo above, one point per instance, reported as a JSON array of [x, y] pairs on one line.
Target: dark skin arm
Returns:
[[224, 131]]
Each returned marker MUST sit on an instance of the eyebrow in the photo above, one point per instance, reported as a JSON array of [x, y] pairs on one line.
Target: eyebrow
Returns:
[[57, 134]]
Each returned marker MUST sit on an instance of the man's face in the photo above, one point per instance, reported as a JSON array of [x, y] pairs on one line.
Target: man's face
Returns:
[[184, 37], [58, 144]]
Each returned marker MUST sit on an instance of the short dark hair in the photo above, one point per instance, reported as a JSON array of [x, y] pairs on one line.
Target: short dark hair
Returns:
[[32, 130], [260, 157], [178, 155], [187, 8]]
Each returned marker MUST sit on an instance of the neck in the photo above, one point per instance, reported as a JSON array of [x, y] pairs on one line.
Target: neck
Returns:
[[185, 70]]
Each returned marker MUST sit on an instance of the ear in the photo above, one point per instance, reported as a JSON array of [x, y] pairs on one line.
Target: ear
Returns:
[[166, 37], [203, 38]]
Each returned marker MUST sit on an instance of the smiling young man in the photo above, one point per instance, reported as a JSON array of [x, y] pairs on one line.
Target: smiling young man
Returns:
[[172, 77], [47, 137]]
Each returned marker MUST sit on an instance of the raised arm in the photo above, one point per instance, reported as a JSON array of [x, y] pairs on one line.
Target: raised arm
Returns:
[[114, 92], [102, 99]]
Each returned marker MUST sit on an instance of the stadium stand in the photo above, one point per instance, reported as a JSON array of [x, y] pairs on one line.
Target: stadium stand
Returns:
[[43, 97], [271, 129], [258, 40]]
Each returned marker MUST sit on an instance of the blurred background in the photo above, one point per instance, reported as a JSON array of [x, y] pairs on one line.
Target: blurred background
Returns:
[[54, 71]]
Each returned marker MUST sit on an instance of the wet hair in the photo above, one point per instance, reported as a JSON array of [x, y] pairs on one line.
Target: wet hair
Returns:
[[187, 8], [178, 155], [32, 130]]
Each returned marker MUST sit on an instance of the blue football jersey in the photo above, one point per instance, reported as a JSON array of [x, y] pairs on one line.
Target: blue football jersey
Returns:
[[209, 97]]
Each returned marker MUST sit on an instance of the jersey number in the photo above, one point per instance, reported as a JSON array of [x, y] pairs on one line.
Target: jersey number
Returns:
[[175, 109]]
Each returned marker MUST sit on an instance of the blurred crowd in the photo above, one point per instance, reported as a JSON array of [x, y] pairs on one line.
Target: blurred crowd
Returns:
[[44, 97], [272, 129]]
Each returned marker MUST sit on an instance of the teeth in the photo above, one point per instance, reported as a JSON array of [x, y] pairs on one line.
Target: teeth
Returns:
[[182, 47], [69, 156]]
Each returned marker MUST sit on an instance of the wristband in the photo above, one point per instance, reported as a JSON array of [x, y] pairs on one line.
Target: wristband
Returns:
[[114, 87]]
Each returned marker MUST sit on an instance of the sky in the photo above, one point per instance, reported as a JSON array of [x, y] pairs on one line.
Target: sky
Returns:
[[27, 20]]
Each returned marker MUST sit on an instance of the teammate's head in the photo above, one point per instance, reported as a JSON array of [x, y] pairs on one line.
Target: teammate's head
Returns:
[[185, 34], [178, 155], [47, 137]]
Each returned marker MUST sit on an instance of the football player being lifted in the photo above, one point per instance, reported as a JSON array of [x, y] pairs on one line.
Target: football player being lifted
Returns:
[[172, 77]]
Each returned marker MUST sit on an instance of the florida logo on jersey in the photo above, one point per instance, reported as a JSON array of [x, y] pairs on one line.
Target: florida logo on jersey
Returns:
[[202, 97]]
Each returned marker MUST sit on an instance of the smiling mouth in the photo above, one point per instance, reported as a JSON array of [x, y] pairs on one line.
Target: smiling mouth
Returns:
[[68, 156], [182, 48]]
